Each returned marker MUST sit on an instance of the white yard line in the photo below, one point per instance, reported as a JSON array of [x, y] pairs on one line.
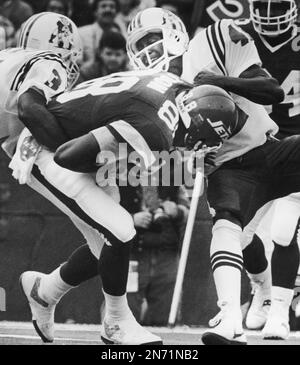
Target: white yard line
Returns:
[[96, 329]]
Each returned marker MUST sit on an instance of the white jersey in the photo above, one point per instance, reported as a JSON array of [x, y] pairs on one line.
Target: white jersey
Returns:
[[225, 49], [21, 70]]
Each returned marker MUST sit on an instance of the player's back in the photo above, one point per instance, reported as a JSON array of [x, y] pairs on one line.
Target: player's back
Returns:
[[280, 56], [142, 102]]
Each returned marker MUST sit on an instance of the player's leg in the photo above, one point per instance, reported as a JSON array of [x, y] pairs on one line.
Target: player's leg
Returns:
[[44, 291], [285, 264], [91, 204], [257, 246], [230, 191]]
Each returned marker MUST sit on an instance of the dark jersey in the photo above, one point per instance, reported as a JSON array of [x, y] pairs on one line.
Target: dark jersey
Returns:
[[283, 63], [136, 107]]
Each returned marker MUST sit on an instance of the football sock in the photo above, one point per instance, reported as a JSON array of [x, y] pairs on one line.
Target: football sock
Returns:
[[285, 264], [264, 280], [255, 260], [53, 288], [227, 262], [281, 300], [81, 266], [113, 268], [116, 307]]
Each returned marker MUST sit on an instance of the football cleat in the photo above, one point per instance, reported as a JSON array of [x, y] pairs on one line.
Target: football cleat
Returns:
[[227, 329], [276, 328], [42, 312], [258, 311], [127, 332]]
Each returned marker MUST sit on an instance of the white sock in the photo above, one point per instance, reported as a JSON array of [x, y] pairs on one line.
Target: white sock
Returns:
[[227, 262], [264, 280], [281, 299], [53, 288], [116, 307]]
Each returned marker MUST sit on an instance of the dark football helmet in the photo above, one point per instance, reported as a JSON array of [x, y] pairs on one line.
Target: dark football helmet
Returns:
[[209, 114]]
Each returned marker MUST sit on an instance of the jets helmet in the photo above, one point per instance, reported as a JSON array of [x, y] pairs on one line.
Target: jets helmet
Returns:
[[53, 32], [209, 114], [173, 38], [273, 17]]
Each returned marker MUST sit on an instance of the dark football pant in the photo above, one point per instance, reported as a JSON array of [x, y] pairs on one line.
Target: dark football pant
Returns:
[[243, 185]]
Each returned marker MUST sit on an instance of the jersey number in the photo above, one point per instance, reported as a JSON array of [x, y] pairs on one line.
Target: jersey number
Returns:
[[219, 11], [169, 114], [291, 87], [105, 85]]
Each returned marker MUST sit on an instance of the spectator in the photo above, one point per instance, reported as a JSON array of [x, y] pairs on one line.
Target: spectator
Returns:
[[17, 11], [7, 38], [169, 5], [111, 57], [105, 12], [128, 9], [59, 7], [159, 215], [82, 13]]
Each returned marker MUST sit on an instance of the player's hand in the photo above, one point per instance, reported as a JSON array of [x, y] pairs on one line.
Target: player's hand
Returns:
[[170, 208], [207, 78], [142, 220], [24, 158]]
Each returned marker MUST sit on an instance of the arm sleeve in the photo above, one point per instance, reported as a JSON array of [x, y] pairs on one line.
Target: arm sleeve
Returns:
[[49, 77]]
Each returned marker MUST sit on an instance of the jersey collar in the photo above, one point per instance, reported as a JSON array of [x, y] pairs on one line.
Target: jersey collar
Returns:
[[274, 49]]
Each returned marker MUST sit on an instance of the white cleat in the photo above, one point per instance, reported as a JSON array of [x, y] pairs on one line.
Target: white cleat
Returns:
[[258, 311], [276, 328], [227, 330], [127, 332], [42, 312]]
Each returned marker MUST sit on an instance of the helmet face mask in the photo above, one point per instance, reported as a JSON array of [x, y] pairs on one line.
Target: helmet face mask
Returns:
[[172, 43], [273, 17], [53, 32]]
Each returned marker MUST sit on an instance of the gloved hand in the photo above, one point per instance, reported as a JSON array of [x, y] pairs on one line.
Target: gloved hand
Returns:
[[24, 158]]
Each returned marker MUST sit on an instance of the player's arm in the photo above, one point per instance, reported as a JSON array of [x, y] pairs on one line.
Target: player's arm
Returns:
[[45, 79], [237, 58], [254, 84], [33, 112], [80, 154]]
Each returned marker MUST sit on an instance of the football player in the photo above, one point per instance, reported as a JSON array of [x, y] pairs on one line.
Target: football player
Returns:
[[30, 78], [139, 109], [43, 66], [276, 35], [248, 164]]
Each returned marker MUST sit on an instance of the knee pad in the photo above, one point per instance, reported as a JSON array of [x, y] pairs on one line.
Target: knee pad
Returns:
[[125, 231], [225, 235], [285, 221]]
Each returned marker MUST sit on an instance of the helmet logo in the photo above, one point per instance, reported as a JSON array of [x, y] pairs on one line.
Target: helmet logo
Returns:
[[62, 37], [220, 128]]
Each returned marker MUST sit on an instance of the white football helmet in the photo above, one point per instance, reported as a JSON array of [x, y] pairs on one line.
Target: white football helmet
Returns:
[[53, 32], [273, 17], [174, 38]]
